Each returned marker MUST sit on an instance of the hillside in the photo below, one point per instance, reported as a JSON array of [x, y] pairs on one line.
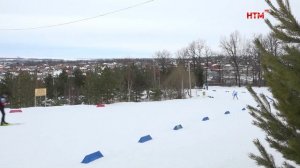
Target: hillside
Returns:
[[60, 137]]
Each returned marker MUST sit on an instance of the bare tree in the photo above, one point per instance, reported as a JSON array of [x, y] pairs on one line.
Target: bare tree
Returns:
[[129, 79], [248, 58], [232, 47], [256, 63], [181, 56], [272, 44], [195, 51], [207, 54], [163, 62], [163, 59]]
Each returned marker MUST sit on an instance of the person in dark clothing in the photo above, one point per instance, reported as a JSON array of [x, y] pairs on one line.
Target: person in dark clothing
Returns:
[[2, 105]]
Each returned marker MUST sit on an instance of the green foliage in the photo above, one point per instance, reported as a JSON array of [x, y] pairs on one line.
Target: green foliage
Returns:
[[265, 159], [120, 84], [282, 74], [177, 81], [199, 77], [279, 133], [20, 89], [49, 84], [156, 94], [25, 90], [6, 85], [108, 84], [132, 82], [61, 83], [140, 83], [91, 88], [78, 78]]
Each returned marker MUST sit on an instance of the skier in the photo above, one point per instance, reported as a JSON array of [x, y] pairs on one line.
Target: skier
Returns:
[[234, 94], [2, 105]]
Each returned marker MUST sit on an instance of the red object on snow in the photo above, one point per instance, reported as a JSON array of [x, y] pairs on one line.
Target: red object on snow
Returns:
[[100, 105], [15, 111]]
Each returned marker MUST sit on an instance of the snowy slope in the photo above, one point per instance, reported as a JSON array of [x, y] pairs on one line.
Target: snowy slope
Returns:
[[60, 137]]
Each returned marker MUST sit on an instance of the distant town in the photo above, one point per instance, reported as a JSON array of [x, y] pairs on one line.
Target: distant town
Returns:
[[218, 69]]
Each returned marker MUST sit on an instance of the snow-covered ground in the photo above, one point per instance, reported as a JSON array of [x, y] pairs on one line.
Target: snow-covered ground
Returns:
[[60, 137]]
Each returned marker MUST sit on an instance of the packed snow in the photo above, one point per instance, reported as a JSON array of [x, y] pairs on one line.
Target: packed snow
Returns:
[[60, 137]]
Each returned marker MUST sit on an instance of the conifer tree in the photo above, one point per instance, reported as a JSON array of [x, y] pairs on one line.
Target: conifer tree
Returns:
[[49, 84], [91, 88], [282, 74], [108, 85], [62, 83]]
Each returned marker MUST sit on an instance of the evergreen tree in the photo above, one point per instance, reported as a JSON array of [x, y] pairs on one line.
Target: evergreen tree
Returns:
[[7, 86], [79, 80], [199, 77], [282, 74], [24, 90], [129, 78], [108, 85], [120, 87], [62, 83], [49, 84], [148, 78], [140, 82], [91, 88]]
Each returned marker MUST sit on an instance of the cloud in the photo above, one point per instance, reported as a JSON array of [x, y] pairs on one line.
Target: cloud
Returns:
[[161, 24]]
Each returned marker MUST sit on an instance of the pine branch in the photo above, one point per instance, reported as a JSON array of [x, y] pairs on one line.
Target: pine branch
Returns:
[[268, 121], [282, 74], [288, 30], [274, 144], [278, 132], [287, 165], [265, 159]]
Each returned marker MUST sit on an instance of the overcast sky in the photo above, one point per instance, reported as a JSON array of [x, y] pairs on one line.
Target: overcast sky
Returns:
[[136, 33]]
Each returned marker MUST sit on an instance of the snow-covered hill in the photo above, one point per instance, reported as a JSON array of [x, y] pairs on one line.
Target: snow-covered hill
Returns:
[[60, 137]]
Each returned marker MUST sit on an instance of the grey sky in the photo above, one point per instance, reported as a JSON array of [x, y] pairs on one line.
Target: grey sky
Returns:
[[137, 32]]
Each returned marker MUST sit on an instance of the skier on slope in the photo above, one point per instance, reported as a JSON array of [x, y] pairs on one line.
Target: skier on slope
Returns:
[[2, 105], [234, 94]]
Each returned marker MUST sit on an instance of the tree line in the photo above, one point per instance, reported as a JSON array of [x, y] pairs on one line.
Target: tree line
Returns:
[[130, 82], [166, 76]]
